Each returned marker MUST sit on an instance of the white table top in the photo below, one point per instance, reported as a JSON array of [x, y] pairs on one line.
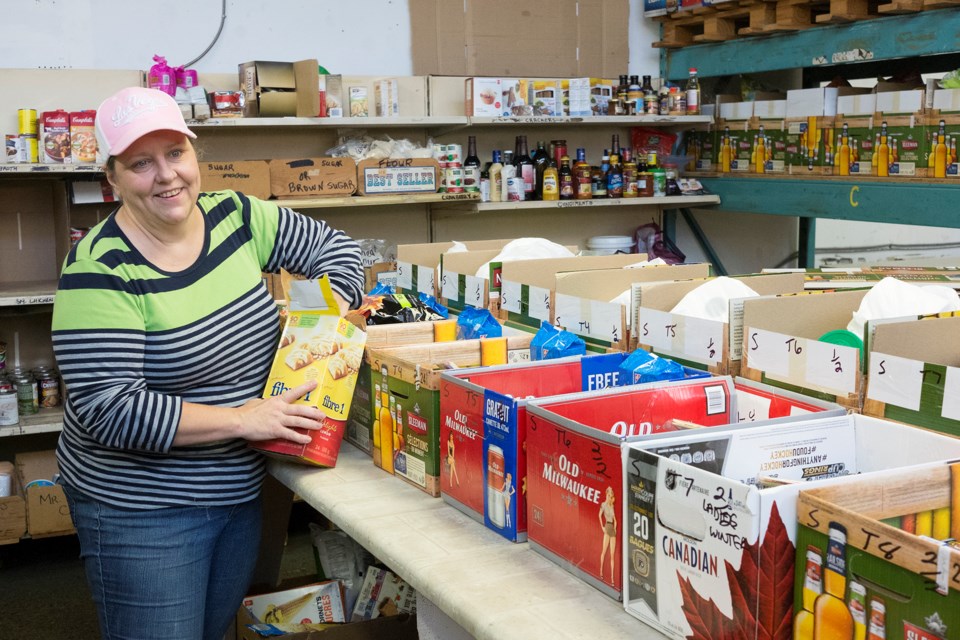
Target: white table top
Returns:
[[493, 588]]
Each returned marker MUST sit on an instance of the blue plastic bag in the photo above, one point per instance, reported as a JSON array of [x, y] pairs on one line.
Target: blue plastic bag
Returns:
[[552, 342], [477, 323], [434, 305], [381, 289], [642, 366]]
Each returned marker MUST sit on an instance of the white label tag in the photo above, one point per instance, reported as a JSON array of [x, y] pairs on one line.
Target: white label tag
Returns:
[[473, 292], [951, 394], [606, 320], [569, 315], [539, 303], [831, 366], [510, 296], [450, 285], [752, 407], [769, 352], [703, 340], [426, 280], [404, 275], [657, 329], [895, 380]]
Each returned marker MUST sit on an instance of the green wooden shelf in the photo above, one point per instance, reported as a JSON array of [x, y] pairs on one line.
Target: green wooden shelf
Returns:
[[902, 36]]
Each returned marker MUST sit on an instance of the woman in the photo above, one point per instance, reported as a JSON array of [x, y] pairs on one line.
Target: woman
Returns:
[[452, 461], [165, 334], [608, 525]]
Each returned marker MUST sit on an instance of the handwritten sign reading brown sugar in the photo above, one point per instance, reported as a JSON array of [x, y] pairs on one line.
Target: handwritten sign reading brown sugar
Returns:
[[313, 177]]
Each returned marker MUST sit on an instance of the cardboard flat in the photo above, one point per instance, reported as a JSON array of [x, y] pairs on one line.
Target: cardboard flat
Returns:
[[47, 511], [250, 177], [702, 524], [506, 38], [542, 272], [13, 510], [312, 177]]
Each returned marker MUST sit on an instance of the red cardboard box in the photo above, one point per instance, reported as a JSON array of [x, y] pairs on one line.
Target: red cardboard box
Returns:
[[574, 461]]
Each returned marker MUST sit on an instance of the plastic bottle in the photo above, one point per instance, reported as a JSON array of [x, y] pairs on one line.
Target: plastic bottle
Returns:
[[496, 177], [615, 177], [693, 93], [551, 182]]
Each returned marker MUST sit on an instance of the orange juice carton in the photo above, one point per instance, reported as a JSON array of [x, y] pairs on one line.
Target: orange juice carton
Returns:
[[316, 344]]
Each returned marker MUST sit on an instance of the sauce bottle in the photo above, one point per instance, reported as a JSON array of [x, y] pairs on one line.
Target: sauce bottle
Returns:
[[567, 190], [496, 181]]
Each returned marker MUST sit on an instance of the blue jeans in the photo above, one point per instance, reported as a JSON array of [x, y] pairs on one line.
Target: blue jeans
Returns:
[[177, 572]]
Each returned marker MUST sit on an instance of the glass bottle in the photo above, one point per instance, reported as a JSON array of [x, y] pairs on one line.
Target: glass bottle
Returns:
[[377, 404], [539, 164], [858, 610], [940, 153], [525, 168], [471, 166], [630, 189], [485, 182], [831, 616], [651, 104], [693, 93], [812, 587], [600, 186], [615, 145], [386, 423], [581, 175], [615, 177], [882, 152], [878, 623], [496, 182], [644, 177], [761, 159], [843, 159], [634, 97], [567, 188], [551, 182]]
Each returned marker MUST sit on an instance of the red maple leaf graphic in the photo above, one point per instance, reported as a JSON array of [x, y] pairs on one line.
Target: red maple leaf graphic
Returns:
[[761, 593]]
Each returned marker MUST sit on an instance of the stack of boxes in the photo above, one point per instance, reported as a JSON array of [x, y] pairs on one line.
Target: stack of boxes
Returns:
[[554, 97]]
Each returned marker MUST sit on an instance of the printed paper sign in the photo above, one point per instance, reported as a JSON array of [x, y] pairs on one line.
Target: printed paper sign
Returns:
[[473, 292], [951, 394], [657, 329], [703, 340], [450, 285], [539, 303], [510, 296], [897, 381], [404, 275], [831, 366], [770, 352], [425, 280]]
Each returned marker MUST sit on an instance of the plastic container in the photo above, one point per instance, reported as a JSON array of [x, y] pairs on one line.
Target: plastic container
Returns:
[[609, 245]]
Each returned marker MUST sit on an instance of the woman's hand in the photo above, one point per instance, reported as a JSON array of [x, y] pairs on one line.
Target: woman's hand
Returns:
[[276, 417]]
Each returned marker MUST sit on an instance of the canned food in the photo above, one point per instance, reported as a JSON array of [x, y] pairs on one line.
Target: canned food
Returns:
[[454, 179], [9, 407], [27, 401], [439, 152], [11, 148], [49, 388], [496, 475], [77, 233], [29, 151], [454, 153], [27, 122]]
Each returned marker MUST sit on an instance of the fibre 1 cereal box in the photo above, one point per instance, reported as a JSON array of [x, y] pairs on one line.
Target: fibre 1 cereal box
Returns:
[[316, 344]]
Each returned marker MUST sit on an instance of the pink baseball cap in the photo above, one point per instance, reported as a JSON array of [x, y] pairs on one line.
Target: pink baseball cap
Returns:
[[134, 112]]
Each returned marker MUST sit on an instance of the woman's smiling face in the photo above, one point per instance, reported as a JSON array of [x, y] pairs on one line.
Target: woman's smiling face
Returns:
[[158, 178]]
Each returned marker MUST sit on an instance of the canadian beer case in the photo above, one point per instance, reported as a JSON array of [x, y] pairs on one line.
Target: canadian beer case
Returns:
[[710, 517], [573, 459]]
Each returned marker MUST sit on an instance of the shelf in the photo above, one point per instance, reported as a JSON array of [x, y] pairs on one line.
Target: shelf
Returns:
[[592, 120], [874, 200], [50, 169], [377, 201], [47, 421], [901, 36], [335, 123], [20, 294], [667, 201]]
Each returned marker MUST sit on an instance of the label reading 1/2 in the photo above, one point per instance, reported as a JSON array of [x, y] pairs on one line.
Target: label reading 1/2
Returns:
[[807, 362], [473, 291], [538, 303], [426, 280]]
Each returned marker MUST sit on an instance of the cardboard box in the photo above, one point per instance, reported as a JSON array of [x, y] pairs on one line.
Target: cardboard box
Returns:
[[526, 38], [770, 109], [483, 97], [876, 536], [316, 344], [574, 461], [250, 177], [546, 97], [736, 110], [383, 594], [276, 89], [813, 138], [515, 97], [900, 102], [771, 139], [863, 139], [409, 419], [311, 177], [912, 372], [390, 176], [712, 516], [48, 513], [417, 264], [13, 510], [359, 108], [483, 432], [331, 88], [601, 92], [946, 100], [704, 344], [803, 103], [857, 104], [94, 191], [734, 146], [529, 288], [318, 602], [362, 409], [387, 93], [907, 147], [947, 167], [782, 347]]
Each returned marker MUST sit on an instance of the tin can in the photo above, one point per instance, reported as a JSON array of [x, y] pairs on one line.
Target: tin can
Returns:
[[454, 154], [11, 148], [27, 401], [9, 410], [48, 384], [439, 152], [5, 384], [29, 151], [453, 175], [496, 474], [27, 122]]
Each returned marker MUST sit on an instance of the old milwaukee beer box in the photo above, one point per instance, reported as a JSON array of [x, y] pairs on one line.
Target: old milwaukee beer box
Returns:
[[408, 416], [365, 396], [782, 344], [912, 373], [46, 504], [711, 516], [883, 548], [713, 345], [574, 465], [483, 431], [316, 344]]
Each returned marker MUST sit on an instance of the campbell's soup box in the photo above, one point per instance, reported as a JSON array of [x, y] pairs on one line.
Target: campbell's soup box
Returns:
[[83, 139], [574, 492], [54, 137]]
